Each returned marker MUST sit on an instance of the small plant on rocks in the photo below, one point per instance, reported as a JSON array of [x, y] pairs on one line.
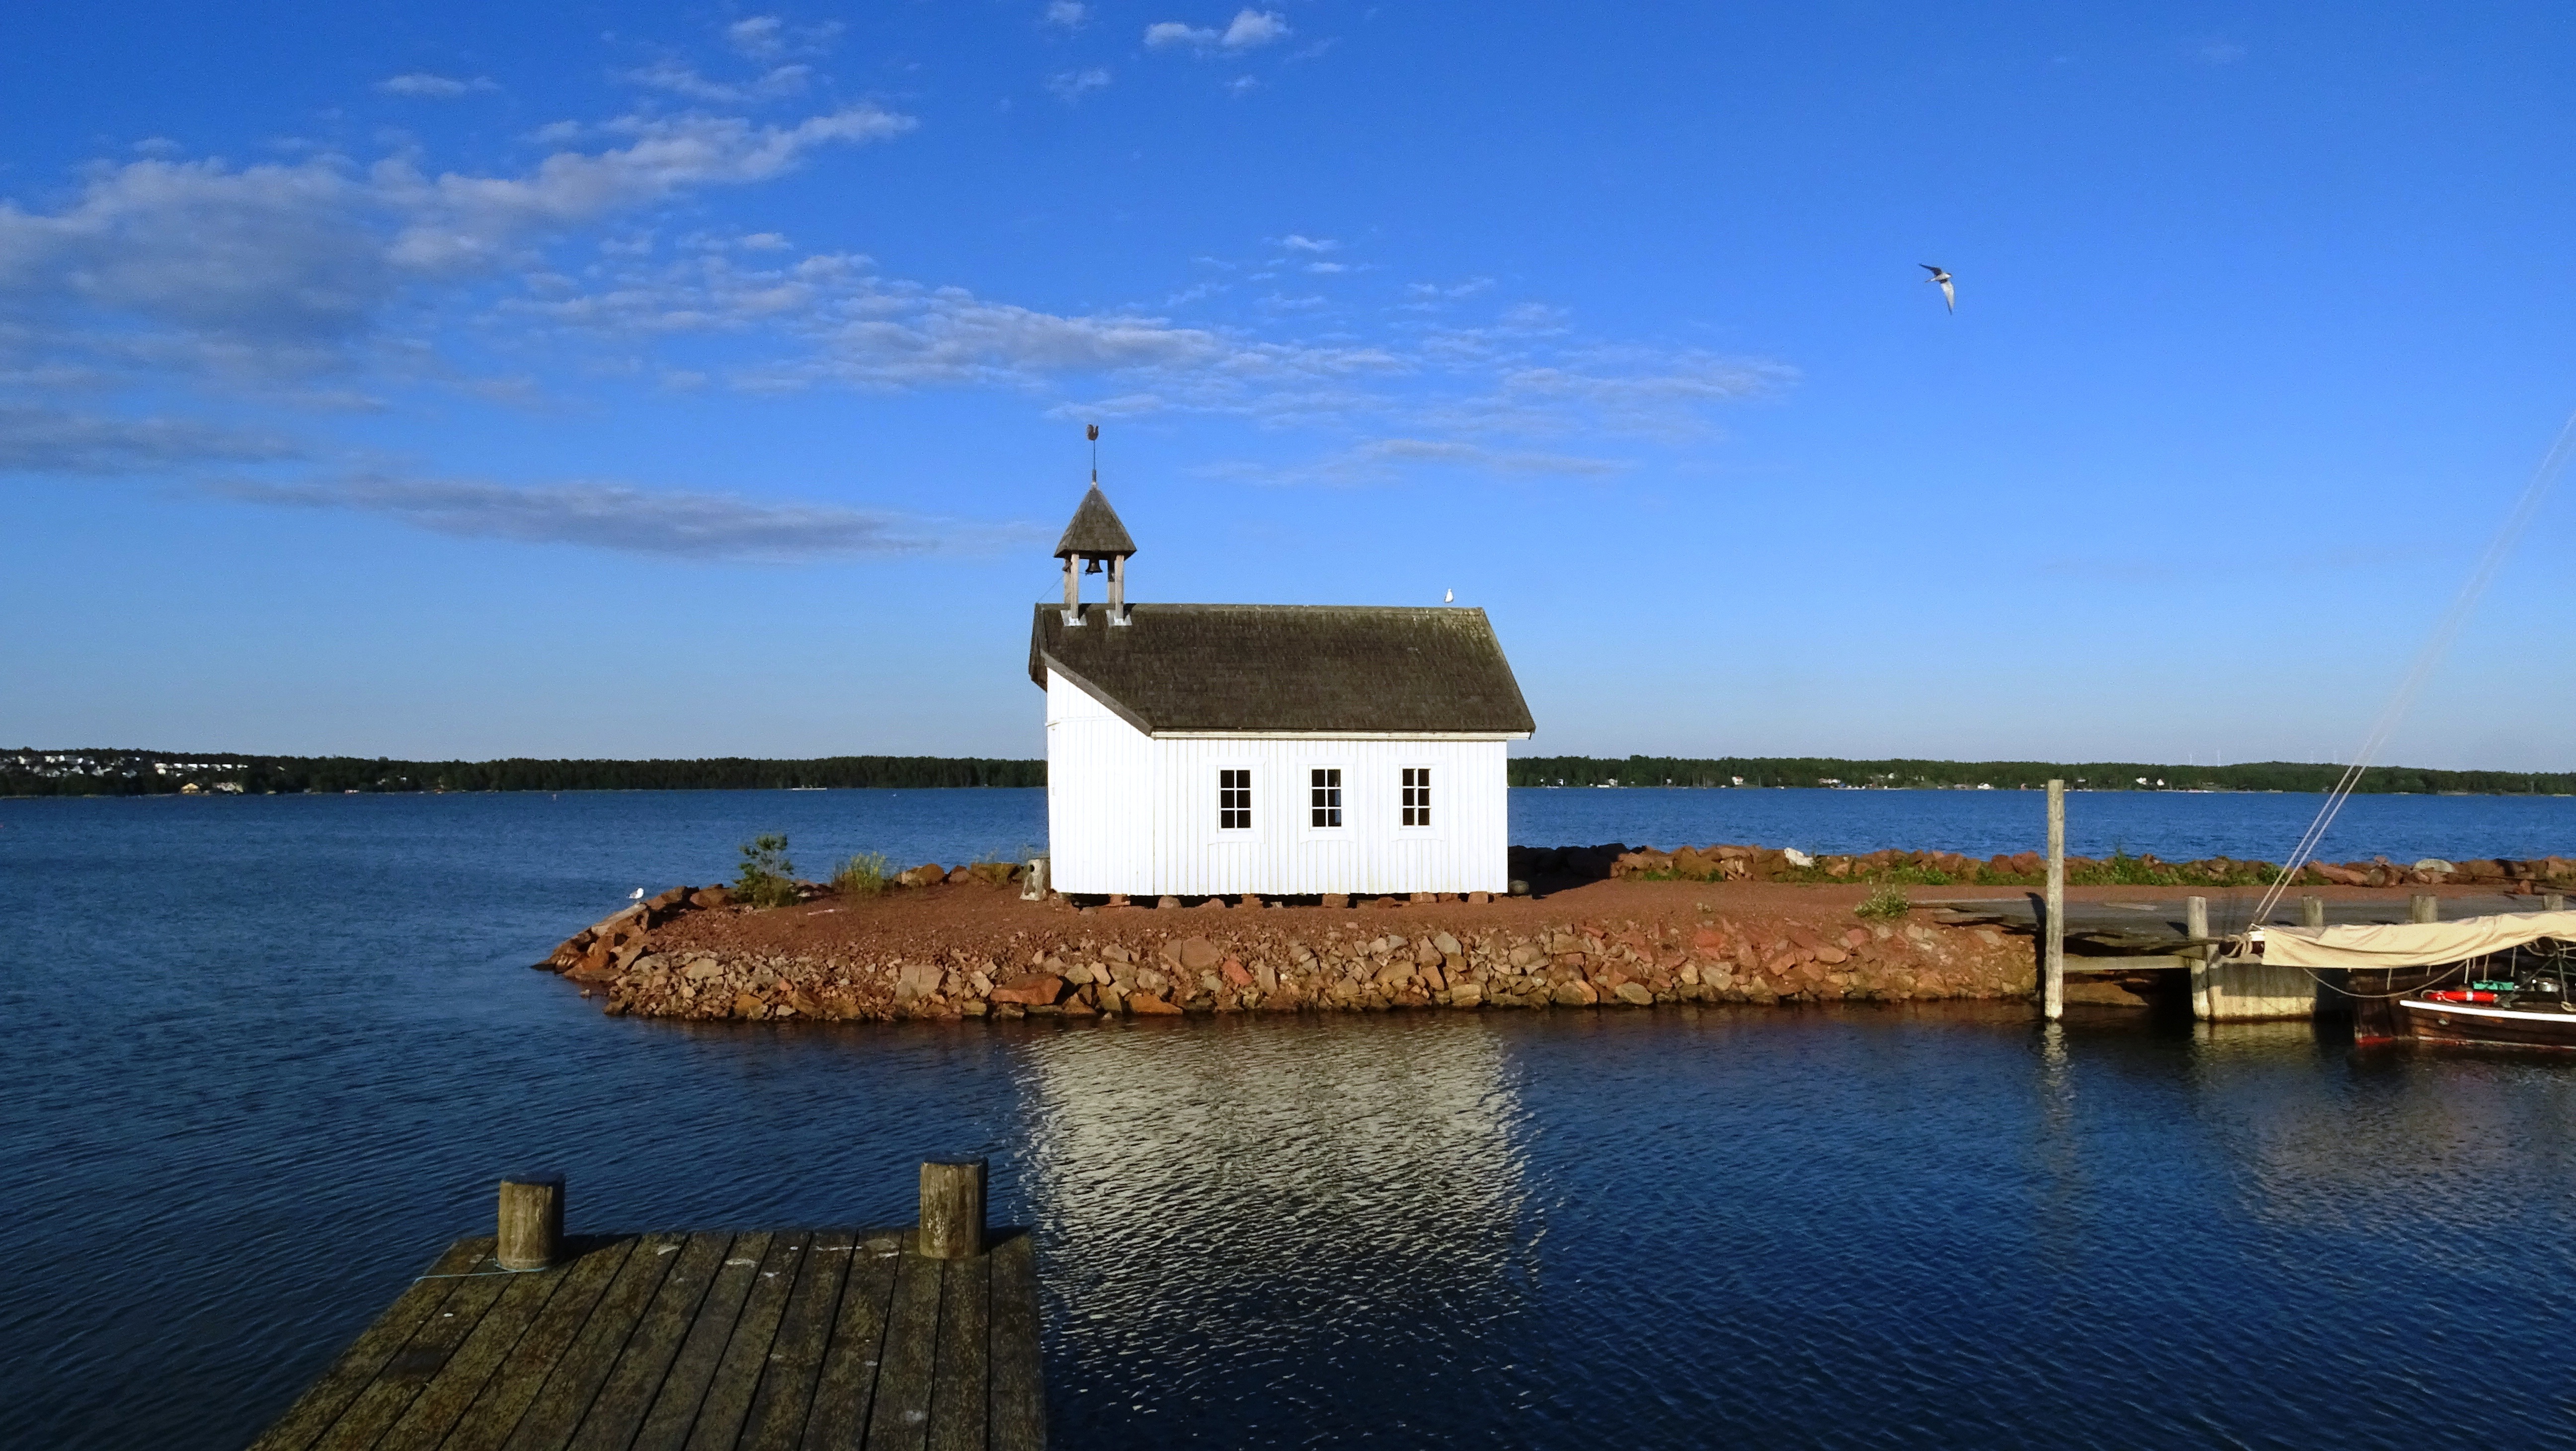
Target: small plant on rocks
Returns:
[[767, 877], [863, 875], [1887, 901]]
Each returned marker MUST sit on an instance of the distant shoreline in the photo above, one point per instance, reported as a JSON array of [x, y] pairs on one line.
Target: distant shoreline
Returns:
[[96, 771]]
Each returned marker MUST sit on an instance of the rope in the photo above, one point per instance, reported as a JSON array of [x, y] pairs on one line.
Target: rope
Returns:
[[2438, 644]]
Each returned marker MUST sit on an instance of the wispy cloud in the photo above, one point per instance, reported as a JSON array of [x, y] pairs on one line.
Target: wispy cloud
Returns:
[[435, 87], [681, 525], [281, 271], [41, 440], [1067, 14], [1390, 460], [683, 80], [2222, 52], [1249, 30], [1072, 86], [1296, 242], [769, 37]]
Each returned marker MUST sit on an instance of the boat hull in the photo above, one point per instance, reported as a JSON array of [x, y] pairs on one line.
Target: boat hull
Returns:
[[2497, 1026]]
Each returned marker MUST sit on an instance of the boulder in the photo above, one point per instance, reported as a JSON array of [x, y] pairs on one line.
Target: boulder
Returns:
[[1030, 990], [1198, 954], [916, 980], [1149, 1006], [1635, 995], [928, 875], [667, 900], [1576, 994], [1235, 974], [710, 897]]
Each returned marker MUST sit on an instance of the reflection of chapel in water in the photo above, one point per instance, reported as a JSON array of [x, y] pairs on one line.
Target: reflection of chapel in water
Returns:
[[1203, 750]]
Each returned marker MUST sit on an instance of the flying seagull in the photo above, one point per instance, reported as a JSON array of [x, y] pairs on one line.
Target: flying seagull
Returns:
[[1949, 294]]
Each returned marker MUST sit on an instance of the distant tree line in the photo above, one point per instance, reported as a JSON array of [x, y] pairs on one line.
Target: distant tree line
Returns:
[[160, 773], [2011, 775]]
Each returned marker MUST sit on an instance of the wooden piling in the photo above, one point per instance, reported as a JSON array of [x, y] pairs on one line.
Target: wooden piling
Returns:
[[952, 1209], [2053, 986], [2312, 911], [532, 1219], [2554, 902], [2195, 925], [2423, 907]]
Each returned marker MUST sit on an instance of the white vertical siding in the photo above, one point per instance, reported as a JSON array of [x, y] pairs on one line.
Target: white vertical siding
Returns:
[[1129, 813]]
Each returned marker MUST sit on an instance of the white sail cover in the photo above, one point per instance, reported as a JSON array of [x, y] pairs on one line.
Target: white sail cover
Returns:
[[2412, 944]]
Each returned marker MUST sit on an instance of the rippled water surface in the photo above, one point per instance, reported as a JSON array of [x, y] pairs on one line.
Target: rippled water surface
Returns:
[[265, 1057]]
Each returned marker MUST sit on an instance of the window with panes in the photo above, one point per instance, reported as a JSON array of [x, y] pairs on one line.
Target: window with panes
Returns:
[[1324, 797], [1417, 795], [1234, 800]]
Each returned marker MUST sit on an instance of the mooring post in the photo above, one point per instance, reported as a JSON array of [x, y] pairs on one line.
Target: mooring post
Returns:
[[2195, 925], [2312, 911], [2554, 902], [2053, 990], [952, 1209], [531, 1228], [2423, 907]]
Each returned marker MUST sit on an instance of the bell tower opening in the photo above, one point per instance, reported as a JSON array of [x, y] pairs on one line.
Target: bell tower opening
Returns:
[[1094, 543]]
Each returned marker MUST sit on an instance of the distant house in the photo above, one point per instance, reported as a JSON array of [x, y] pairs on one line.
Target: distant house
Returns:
[[1279, 750]]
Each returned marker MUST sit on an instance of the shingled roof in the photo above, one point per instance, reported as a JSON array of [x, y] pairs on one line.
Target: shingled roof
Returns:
[[1316, 669], [1095, 529]]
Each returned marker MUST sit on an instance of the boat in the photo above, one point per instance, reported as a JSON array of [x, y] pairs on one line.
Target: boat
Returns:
[[2498, 981]]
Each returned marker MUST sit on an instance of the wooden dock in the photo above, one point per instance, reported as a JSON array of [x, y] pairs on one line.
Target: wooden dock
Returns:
[[773, 1339]]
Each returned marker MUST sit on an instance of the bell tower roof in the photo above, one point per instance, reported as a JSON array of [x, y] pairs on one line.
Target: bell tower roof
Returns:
[[1095, 532]]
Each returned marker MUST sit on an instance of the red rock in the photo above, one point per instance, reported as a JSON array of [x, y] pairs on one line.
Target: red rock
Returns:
[[1856, 937], [1805, 938], [1576, 994], [1197, 954], [667, 900], [1148, 1005], [710, 897], [1234, 973], [1478, 899], [1030, 989]]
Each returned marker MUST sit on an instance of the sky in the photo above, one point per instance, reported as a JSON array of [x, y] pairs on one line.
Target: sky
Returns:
[[477, 380]]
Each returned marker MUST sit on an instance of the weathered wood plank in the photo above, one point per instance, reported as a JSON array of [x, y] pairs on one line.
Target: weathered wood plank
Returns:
[[693, 1370], [845, 1393], [566, 1390], [746, 1355], [960, 1380], [900, 1419], [433, 1413], [1016, 1419], [315, 1410], [628, 1393], [414, 1366], [505, 1397], [777, 1419]]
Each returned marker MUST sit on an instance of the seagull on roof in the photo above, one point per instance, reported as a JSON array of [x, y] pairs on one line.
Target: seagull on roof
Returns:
[[1949, 294]]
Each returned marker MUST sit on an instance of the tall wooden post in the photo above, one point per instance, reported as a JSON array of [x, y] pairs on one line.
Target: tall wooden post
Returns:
[[2423, 907], [531, 1228], [1072, 590], [2053, 990], [2195, 925], [2312, 911], [1118, 589], [952, 1210]]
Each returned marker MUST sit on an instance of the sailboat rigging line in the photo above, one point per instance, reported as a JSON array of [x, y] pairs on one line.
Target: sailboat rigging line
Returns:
[[2436, 645]]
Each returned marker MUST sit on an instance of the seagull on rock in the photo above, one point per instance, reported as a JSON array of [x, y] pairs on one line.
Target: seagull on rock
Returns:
[[1949, 294]]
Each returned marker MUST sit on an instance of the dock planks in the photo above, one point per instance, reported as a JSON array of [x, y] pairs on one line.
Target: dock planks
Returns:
[[839, 1339]]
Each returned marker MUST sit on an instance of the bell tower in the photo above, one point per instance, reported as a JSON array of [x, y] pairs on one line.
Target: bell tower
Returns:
[[1095, 538]]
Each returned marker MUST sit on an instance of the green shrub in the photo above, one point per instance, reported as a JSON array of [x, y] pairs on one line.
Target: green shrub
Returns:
[[767, 878], [863, 875], [1887, 901]]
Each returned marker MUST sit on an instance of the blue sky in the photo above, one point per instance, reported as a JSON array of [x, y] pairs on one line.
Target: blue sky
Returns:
[[475, 380]]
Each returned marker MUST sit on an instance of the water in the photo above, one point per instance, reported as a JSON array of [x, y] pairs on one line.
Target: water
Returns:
[[267, 1056]]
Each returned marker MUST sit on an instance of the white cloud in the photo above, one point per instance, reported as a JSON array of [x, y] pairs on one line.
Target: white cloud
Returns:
[[281, 271], [424, 84], [1071, 86], [768, 37], [1327, 267], [682, 80], [704, 526], [2222, 52], [1067, 14], [1297, 243], [763, 242], [48, 441], [1242, 85], [1389, 460], [1249, 30]]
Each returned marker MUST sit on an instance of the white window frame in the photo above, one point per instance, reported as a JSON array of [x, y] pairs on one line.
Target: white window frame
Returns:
[[1440, 787], [1304, 788], [1212, 804]]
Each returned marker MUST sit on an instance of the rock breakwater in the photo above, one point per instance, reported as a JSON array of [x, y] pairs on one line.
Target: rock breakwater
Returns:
[[969, 947], [1942, 868]]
